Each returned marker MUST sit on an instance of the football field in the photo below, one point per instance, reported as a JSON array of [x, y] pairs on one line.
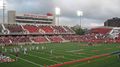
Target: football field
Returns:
[[40, 55]]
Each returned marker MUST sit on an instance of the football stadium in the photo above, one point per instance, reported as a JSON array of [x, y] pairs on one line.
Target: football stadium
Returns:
[[38, 40]]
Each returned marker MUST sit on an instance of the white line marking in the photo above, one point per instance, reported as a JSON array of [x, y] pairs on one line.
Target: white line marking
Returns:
[[75, 50], [29, 61], [53, 55], [44, 58]]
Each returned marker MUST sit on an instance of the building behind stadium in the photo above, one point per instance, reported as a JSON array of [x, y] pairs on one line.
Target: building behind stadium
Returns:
[[114, 22], [14, 17]]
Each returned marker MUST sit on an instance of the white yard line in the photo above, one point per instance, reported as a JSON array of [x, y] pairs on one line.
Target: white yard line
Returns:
[[29, 61], [73, 55], [53, 55], [80, 50], [44, 58], [75, 50]]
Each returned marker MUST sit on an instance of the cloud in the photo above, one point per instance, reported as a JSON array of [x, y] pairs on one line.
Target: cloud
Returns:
[[86, 22], [95, 11]]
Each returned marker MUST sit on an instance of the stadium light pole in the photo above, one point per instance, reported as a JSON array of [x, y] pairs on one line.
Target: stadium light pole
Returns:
[[57, 14], [80, 14], [3, 5], [3, 11]]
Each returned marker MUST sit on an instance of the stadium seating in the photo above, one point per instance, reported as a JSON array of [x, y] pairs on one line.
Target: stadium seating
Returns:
[[70, 37], [4, 40], [101, 30], [39, 39], [47, 29], [55, 38], [52, 33], [84, 38], [36, 29], [20, 39], [14, 28], [59, 29], [31, 28], [68, 29]]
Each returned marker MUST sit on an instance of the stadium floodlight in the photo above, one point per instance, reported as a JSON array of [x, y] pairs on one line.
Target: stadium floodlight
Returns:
[[2, 6], [57, 13], [80, 14]]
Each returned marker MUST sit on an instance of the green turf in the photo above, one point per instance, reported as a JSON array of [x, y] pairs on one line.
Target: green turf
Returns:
[[63, 52]]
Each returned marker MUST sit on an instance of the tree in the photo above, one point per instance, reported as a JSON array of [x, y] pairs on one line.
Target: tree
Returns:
[[79, 31]]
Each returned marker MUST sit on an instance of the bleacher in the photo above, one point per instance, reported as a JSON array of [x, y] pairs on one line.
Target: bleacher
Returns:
[[59, 29], [55, 39], [14, 28], [4, 40], [32, 33], [101, 30], [69, 30], [19, 39], [39, 39], [50, 33], [47, 29], [31, 28]]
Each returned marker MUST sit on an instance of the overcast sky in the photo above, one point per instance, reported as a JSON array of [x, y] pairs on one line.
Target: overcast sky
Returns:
[[95, 11]]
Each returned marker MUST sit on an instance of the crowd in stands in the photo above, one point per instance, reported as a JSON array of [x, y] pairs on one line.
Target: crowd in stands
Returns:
[[55, 38], [69, 30], [4, 40], [14, 39], [39, 39], [96, 38], [46, 29], [19, 39], [35, 29], [14, 28], [59, 29], [50, 33], [31, 28], [29, 39]]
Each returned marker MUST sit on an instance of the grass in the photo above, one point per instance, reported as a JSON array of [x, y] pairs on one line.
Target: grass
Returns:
[[55, 53]]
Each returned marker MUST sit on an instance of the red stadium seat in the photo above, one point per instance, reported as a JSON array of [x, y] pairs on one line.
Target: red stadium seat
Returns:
[[47, 29], [31, 28], [39, 39], [55, 39]]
